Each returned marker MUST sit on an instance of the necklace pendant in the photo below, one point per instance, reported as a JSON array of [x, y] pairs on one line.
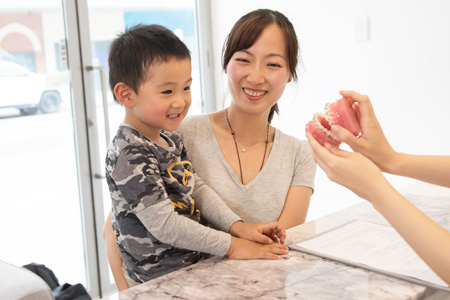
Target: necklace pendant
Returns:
[[243, 150]]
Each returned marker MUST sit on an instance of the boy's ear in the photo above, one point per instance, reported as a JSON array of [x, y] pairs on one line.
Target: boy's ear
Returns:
[[124, 94]]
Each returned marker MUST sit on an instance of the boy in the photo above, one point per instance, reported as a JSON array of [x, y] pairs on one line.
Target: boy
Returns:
[[155, 207]]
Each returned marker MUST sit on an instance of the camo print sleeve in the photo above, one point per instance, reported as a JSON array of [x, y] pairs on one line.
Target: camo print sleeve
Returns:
[[155, 218], [139, 180]]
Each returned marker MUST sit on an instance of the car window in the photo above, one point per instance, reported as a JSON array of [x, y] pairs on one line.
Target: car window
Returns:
[[12, 69]]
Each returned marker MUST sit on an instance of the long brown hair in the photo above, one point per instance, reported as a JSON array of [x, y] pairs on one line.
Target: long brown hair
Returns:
[[248, 29]]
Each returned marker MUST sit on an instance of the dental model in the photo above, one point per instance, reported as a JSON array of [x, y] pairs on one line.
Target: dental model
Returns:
[[339, 113]]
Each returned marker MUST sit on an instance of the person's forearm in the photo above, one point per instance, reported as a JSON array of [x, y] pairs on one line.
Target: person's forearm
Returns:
[[429, 168], [295, 206], [427, 238], [171, 228]]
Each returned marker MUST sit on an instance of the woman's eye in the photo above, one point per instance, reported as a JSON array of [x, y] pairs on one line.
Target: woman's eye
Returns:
[[242, 60], [274, 65], [168, 92]]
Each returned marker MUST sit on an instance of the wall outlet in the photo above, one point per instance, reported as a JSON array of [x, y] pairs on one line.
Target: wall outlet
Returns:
[[362, 29]]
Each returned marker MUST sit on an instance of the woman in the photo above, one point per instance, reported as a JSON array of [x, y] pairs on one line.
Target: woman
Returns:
[[374, 155], [262, 174]]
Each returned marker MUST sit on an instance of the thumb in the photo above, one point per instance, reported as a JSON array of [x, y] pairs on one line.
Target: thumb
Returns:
[[344, 135], [263, 239], [337, 151]]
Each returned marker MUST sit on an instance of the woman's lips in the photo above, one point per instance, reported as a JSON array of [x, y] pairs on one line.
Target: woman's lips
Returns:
[[254, 94], [339, 113]]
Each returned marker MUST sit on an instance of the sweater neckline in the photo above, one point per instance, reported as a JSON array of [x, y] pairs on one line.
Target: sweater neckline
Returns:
[[224, 161]]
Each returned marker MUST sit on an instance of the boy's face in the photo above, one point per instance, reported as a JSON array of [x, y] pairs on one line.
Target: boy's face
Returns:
[[163, 100]]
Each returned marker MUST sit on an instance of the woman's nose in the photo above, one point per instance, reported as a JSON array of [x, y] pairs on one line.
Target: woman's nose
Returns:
[[256, 75]]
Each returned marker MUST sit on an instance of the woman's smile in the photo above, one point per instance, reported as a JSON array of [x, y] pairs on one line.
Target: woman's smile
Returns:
[[254, 95], [259, 74]]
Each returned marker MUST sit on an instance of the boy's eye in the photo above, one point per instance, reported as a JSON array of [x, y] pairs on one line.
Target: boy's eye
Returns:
[[187, 88], [168, 92]]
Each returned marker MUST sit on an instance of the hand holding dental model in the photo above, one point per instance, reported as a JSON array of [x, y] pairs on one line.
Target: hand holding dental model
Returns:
[[339, 113], [360, 171]]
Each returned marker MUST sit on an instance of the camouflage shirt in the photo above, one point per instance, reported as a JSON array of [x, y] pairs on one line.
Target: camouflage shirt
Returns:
[[155, 217]]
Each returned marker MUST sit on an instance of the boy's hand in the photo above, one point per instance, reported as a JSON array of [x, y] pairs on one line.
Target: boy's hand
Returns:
[[264, 233], [245, 249]]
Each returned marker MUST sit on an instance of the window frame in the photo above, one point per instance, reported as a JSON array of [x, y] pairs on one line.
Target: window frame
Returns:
[[90, 165]]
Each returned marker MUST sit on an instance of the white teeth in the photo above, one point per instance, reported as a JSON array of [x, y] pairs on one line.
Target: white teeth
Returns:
[[254, 93], [323, 129], [329, 119], [173, 116]]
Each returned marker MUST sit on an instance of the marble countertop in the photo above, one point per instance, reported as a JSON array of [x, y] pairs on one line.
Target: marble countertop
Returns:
[[298, 275]]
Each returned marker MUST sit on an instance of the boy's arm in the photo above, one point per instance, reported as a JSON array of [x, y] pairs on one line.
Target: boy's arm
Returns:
[[219, 215], [164, 223], [140, 183]]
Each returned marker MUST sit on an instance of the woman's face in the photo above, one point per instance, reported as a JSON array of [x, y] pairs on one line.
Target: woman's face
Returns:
[[257, 76]]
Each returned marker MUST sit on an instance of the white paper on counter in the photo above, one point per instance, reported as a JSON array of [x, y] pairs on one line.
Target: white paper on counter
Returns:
[[371, 246]]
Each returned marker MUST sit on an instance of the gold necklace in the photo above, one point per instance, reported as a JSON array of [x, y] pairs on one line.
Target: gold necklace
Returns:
[[243, 150]]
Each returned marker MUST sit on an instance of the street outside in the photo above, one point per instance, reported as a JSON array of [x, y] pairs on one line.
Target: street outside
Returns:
[[40, 202], [41, 217]]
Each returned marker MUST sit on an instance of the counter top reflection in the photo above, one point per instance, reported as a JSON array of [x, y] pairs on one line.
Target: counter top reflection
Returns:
[[299, 275]]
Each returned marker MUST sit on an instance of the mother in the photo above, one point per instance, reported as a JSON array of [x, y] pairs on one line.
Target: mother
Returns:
[[261, 173]]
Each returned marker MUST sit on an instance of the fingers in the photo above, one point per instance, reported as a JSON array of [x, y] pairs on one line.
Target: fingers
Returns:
[[282, 236], [357, 111], [245, 249], [355, 97], [263, 239], [342, 134], [365, 106], [279, 236], [274, 231], [274, 251], [274, 238], [321, 155], [279, 232], [337, 151], [315, 146], [345, 136], [270, 226]]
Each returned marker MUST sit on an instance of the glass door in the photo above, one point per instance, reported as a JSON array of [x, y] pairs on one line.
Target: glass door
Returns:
[[57, 116], [40, 196], [109, 18], [100, 22]]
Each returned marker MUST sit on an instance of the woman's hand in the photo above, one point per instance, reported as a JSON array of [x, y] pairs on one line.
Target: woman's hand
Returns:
[[352, 170], [372, 143], [264, 233]]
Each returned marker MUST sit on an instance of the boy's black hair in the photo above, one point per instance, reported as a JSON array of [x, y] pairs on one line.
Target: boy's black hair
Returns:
[[134, 51]]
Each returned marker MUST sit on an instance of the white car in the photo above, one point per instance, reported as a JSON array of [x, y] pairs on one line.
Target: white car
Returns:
[[26, 90]]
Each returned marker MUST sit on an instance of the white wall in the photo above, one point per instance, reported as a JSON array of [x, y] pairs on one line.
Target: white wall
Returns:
[[404, 67]]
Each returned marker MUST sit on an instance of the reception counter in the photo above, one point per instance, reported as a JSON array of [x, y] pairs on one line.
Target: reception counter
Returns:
[[299, 275]]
